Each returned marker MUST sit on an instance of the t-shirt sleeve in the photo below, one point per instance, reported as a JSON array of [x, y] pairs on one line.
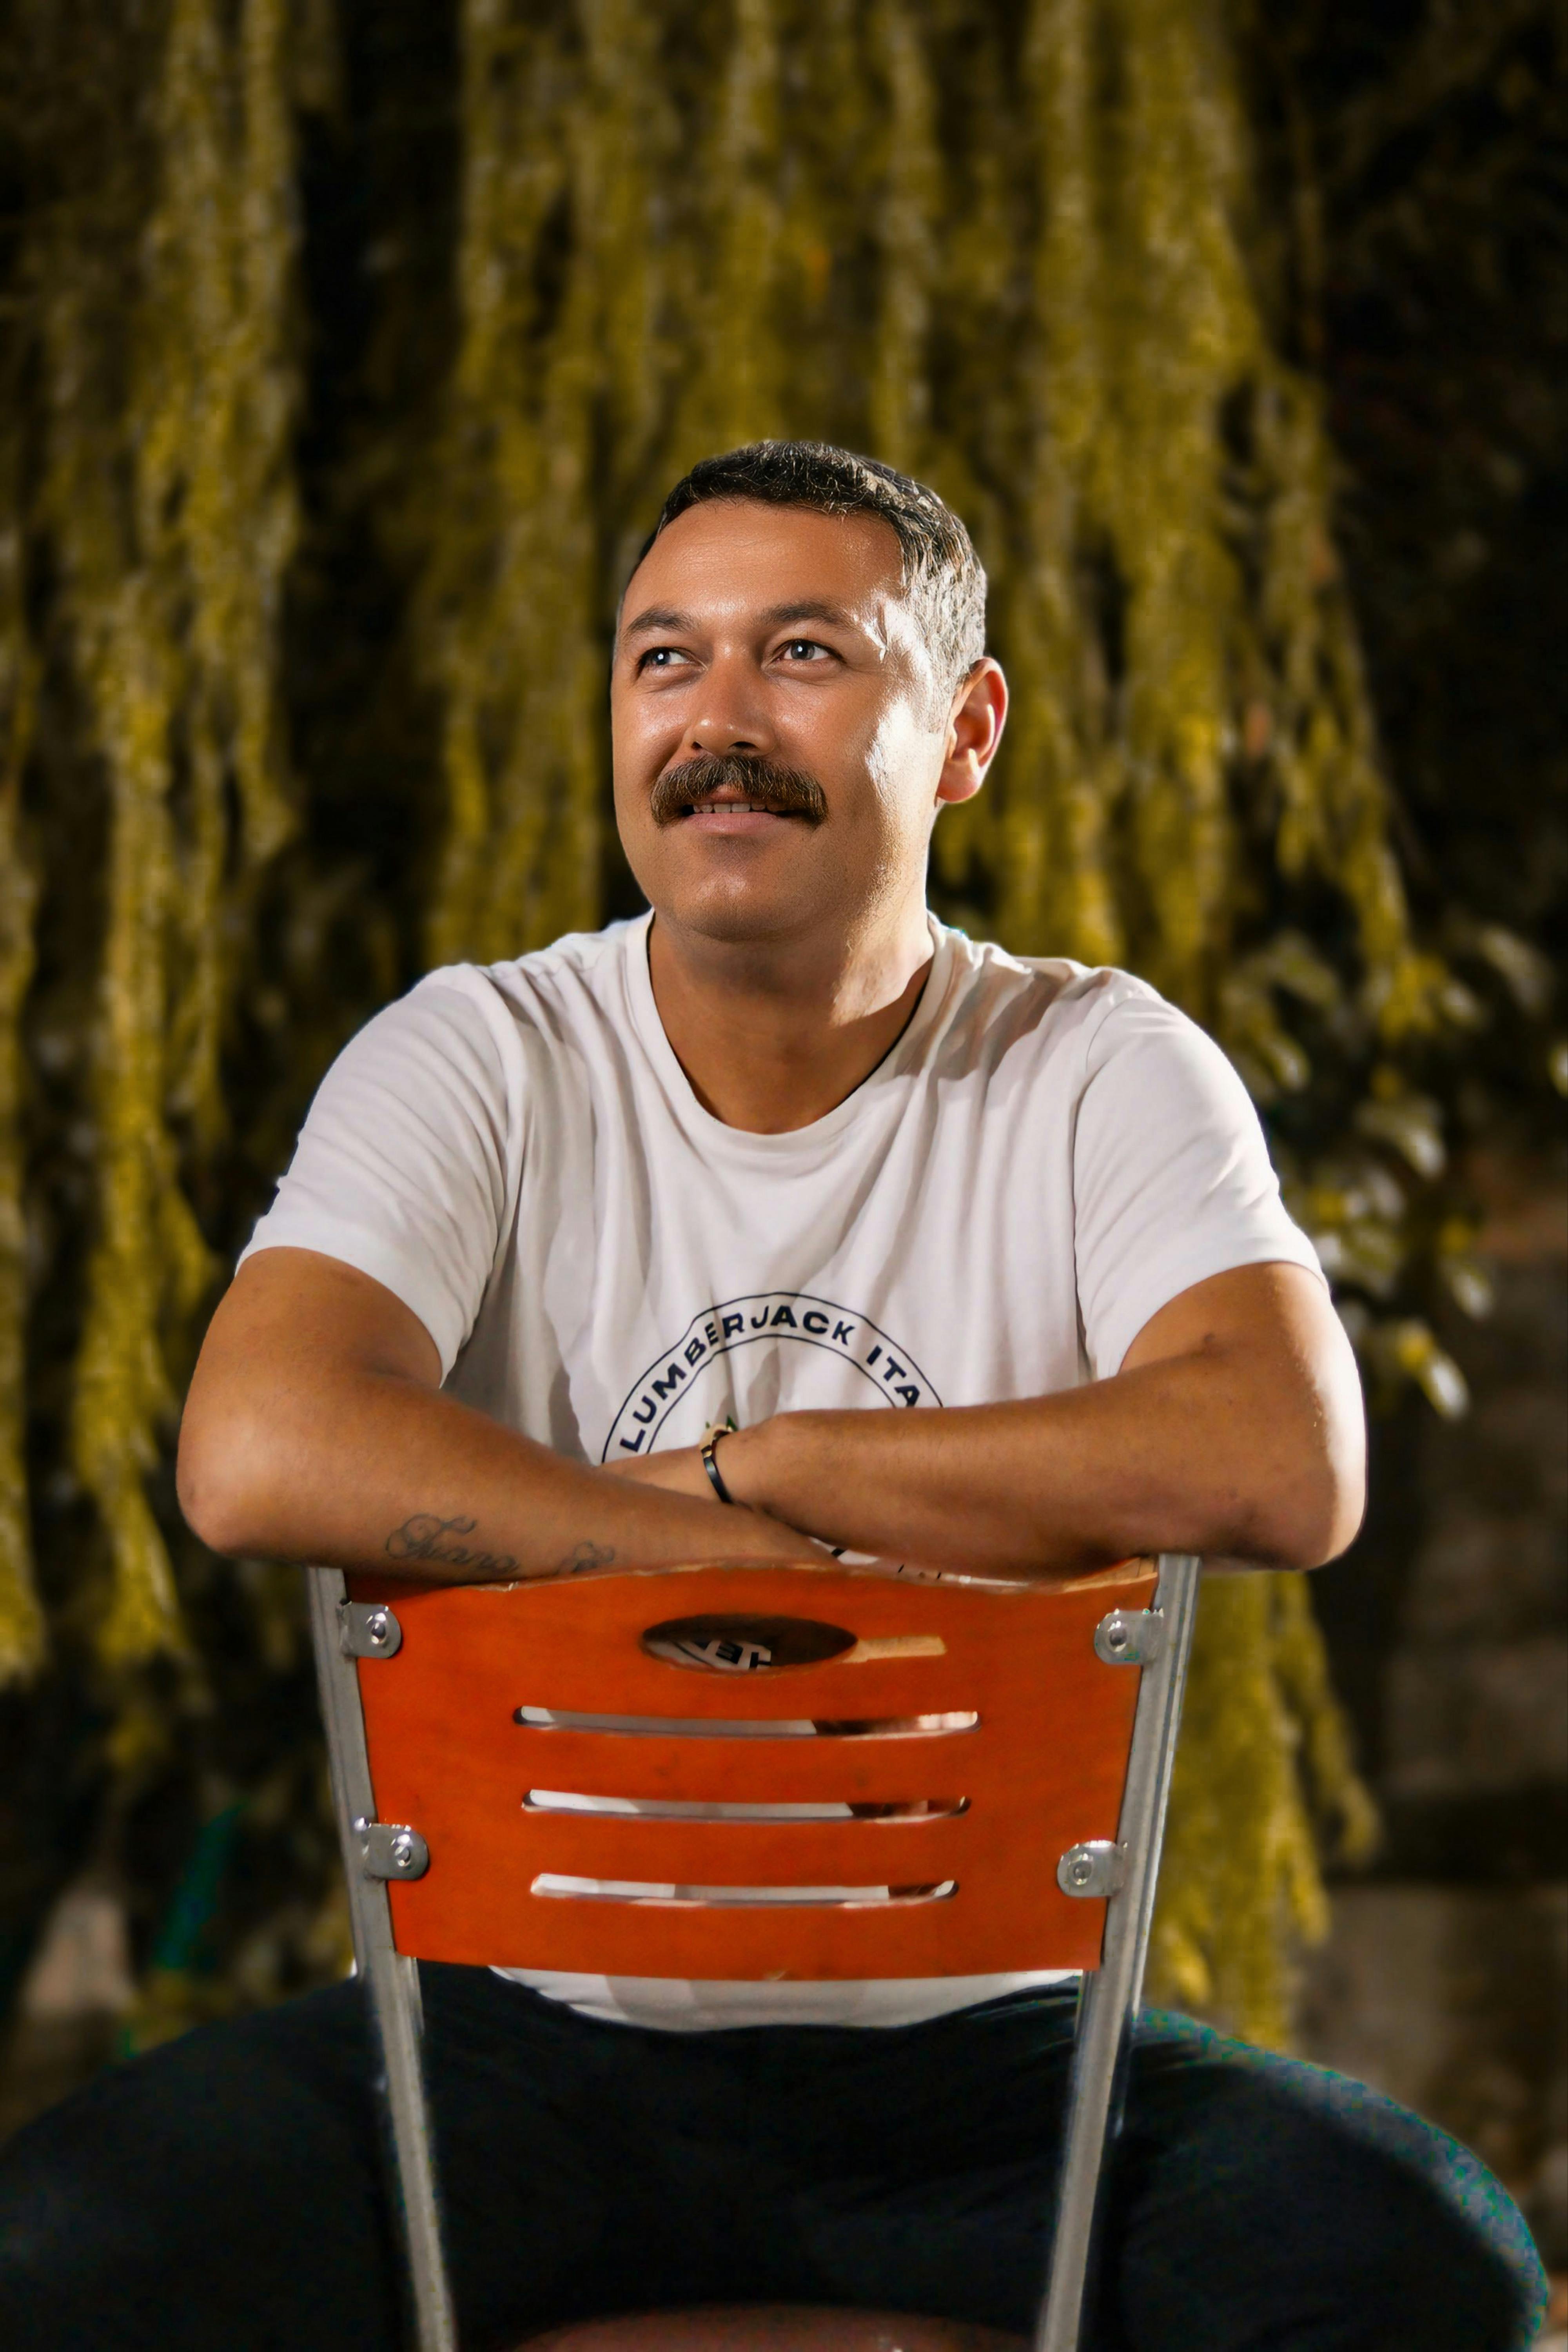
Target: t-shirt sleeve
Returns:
[[1171, 1179], [406, 1160]]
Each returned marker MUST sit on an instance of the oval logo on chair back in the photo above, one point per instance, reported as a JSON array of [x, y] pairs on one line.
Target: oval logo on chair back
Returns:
[[745, 1645]]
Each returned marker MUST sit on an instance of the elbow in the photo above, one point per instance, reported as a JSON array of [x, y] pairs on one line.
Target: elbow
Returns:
[[1315, 1514], [222, 1481], [1319, 1527], [1316, 1492], [1346, 1509]]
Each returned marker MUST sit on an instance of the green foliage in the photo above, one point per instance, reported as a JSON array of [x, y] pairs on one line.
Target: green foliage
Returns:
[[350, 357], [21, 1617]]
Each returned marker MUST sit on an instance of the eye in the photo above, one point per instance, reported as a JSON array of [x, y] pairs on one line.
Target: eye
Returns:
[[804, 649], [660, 657]]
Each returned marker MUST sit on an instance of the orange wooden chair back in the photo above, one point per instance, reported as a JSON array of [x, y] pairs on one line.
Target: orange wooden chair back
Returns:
[[940, 1747]]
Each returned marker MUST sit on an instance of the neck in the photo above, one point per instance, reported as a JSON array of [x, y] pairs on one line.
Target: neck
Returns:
[[774, 1034]]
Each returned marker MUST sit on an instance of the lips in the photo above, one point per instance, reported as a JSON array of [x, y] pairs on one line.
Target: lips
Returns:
[[735, 808]]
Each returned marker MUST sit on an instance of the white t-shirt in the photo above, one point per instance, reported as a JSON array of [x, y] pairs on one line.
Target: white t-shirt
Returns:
[[1046, 1157]]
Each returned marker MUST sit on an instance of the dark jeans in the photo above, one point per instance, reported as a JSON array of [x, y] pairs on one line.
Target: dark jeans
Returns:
[[222, 2194]]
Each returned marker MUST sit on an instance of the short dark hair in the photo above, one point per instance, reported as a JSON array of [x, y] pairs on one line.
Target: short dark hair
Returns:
[[944, 580]]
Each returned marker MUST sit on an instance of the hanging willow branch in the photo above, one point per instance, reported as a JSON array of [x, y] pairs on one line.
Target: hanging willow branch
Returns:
[[908, 202], [171, 505], [21, 1617], [1264, 1782], [510, 597]]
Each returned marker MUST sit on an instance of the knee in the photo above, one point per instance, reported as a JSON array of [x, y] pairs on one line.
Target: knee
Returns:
[[1435, 2232], [1458, 2247], [1269, 2189], [55, 2266], [149, 2208], [1426, 2247]]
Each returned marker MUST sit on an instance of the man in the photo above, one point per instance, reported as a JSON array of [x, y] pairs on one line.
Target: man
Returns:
[[984, 1263]]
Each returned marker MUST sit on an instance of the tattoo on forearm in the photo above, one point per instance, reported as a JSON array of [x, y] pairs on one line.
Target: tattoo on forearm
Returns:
[[587, 1555], [425, 1537]]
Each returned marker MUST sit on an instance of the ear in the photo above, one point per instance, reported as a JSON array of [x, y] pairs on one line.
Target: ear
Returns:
[[973, 730]]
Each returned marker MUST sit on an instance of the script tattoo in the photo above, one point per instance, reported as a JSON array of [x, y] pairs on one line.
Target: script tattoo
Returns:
[[587, 1555], [425, 1537]]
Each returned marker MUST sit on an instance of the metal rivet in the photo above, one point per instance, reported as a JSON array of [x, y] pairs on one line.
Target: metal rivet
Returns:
[[1129, 1637], [368, 1629], [1097, 1867], [392, 1850]]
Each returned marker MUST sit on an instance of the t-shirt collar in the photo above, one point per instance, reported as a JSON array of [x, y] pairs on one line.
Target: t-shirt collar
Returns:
[[900, 1057]]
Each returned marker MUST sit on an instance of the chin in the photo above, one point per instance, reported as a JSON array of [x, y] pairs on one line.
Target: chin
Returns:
[[732, 923], [738, 902], [730, 909]]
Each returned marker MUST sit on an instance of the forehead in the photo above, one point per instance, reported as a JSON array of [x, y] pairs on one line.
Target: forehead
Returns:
[[732, 557]]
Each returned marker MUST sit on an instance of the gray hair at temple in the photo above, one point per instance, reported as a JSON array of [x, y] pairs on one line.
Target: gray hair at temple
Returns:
[[944, 580]]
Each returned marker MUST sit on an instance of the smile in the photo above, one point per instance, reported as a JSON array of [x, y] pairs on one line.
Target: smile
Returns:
[[733, 808]]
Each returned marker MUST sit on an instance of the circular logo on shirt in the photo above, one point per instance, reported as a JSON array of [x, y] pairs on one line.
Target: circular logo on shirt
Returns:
[[783, 1318]]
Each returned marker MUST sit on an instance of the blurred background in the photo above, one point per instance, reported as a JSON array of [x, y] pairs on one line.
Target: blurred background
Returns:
[[347, 349]]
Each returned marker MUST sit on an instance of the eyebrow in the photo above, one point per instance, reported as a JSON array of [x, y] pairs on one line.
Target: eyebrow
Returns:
[[656, 621], [660, 620], [782, 615]]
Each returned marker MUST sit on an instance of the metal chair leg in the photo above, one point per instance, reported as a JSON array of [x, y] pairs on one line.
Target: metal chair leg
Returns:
[[1111, 1996], [392, 1982]]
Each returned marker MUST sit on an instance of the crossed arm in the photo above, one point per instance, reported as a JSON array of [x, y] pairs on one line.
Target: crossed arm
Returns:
[[316, 1430]]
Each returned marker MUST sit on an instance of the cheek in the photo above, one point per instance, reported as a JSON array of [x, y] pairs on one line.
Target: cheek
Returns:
[[902, 765], [639, 747], [855, 745], [621, 786]]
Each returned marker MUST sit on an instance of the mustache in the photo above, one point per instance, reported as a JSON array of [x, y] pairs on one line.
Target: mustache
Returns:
[[766, 784]]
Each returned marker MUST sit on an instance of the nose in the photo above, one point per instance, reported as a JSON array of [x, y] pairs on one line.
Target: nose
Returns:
[[731, 714]]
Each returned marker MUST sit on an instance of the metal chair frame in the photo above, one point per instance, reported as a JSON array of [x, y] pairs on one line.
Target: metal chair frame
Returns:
[[1108, 1997]]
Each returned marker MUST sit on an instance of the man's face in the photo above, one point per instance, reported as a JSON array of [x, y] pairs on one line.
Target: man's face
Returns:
[[780, 636]]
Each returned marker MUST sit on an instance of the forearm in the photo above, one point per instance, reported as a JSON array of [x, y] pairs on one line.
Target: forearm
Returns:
[[370, 1471], [1179, 1456]]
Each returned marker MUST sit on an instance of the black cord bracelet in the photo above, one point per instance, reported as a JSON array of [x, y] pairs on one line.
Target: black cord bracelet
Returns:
[[715, 1475]]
